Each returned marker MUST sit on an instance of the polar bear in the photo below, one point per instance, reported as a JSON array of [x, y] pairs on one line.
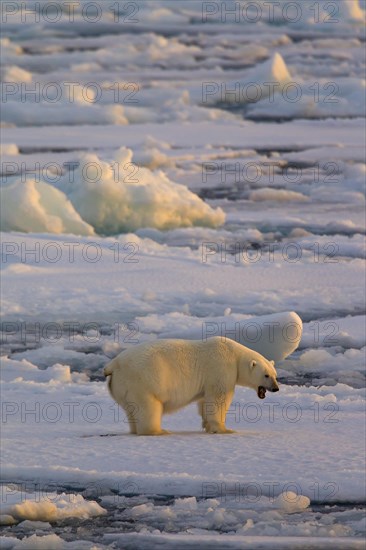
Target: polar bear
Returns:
[[163, 376]]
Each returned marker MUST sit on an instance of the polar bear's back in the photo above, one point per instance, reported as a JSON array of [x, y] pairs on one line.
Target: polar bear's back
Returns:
[[173, 353], [157, 361]]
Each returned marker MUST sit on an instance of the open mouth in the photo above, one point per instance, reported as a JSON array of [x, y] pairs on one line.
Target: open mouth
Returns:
[[261, 392]]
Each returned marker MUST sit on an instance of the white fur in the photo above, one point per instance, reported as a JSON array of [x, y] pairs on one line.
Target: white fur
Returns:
[[160, 377]]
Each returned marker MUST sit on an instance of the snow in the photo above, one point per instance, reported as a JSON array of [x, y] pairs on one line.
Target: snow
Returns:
[[161, 179], [295, 135], [343, 99], [44, 114], [268, 194], [346, 366], [262, 284], [85, 423], [44, 542], [348, 332], [234, 541]]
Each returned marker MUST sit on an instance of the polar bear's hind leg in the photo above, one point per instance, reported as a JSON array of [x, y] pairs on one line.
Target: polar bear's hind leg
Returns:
[[148, 418]]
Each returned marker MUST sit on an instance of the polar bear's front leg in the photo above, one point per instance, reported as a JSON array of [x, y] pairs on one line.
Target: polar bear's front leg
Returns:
[[133, 429], [201, 408], [214, 413]]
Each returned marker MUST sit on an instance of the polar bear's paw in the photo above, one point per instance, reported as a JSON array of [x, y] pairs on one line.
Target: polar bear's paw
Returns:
[[219, 430], [154, 432]]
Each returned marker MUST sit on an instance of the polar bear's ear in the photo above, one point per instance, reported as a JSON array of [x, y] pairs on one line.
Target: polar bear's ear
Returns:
[[272, 363], [253, 363]]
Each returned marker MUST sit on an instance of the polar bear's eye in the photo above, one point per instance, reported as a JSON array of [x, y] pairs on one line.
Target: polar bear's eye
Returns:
[[266, 376]]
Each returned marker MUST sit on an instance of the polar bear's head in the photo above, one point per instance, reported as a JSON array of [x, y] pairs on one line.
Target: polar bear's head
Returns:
[[263, 376]]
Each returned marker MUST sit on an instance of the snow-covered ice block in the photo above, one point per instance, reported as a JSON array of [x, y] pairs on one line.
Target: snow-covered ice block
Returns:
[[19, 505], [124, 197], [106, 197], [261, 81], [275, 336], [292, 503], [39, 207], [9, 149]]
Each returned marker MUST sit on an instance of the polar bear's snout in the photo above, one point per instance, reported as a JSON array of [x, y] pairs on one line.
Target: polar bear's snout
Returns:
[[269, 383], [273, 387]]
